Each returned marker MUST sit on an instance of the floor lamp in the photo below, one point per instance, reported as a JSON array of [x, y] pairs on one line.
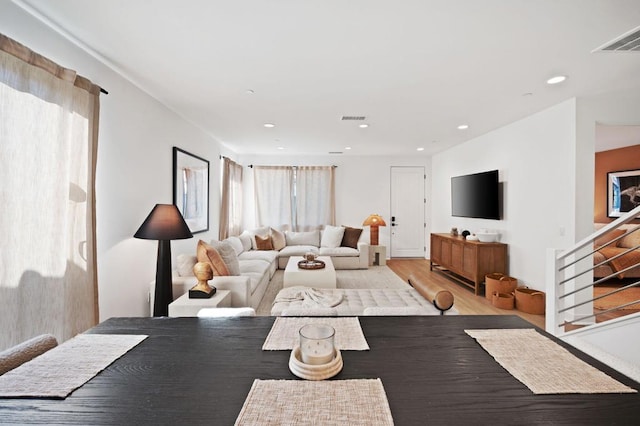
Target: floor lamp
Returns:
[[164, 223]]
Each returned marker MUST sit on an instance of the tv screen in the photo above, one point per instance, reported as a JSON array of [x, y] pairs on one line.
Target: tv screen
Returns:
[[476, 195]]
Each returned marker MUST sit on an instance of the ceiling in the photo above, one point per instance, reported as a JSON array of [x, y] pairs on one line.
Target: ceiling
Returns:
[[415, 69]]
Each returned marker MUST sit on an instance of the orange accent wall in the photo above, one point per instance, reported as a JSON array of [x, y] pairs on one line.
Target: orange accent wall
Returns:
[[615, 160]]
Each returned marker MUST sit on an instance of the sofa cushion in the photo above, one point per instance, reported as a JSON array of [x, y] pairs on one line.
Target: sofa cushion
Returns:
[[297, 250], [263, 232], [339, 252], [332, 236], [351, 237], [207, 253], [309, 238], [185, 264], [254, 265], [278, 239], [264, 243], [237, 245], [245, 238], [229, 256], [267, 256]]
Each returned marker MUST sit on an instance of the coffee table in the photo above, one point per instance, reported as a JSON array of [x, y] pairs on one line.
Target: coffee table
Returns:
[[317, 278]]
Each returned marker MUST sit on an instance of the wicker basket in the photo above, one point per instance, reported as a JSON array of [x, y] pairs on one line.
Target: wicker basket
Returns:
[[502, 300], [498, 283], [530, 301]]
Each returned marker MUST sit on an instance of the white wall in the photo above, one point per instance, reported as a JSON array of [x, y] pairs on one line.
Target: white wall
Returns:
[[536, 160], [134, 170], [363, 185]]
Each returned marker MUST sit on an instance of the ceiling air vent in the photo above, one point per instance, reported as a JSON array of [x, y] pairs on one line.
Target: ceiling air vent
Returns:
[[628, 42], [335, 152], [353, 118]]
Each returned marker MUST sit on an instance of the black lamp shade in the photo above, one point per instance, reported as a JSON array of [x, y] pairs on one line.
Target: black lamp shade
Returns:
[[164, 223]]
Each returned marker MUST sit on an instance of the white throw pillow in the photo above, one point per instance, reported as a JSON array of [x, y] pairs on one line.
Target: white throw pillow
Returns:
[[332, 236], [236, 244], [245, 237], [185, 264], [228, 255], [310, 238]]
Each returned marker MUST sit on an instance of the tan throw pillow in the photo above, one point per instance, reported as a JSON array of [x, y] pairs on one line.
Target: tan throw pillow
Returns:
[[630, 240], [264, 243], [278, 239], [608, 237], [351, 237], [206, 253]]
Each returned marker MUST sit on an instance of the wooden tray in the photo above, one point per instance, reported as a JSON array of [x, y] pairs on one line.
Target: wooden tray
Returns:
[[314, 264]]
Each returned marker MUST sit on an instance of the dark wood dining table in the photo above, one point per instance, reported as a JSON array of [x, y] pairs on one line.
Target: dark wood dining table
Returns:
[[196, 371]]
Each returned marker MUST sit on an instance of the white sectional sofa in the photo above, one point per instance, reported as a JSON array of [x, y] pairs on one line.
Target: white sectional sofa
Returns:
[[252, 267]]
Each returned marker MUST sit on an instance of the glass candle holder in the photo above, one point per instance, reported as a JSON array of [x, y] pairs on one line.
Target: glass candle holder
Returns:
[[317, 344]]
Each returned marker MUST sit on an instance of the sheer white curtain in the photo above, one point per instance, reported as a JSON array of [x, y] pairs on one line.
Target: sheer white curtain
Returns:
[[231, 205], [273, 186], [48, 143], [315, 197]]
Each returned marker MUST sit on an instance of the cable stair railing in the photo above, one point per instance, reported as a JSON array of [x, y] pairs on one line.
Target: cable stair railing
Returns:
[[607, 260]]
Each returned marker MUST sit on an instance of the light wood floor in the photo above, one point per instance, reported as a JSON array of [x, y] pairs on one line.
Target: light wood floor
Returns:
[[465, 301]]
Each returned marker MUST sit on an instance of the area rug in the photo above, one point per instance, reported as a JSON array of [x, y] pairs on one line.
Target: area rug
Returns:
[[542, 365], [284, 334], [328, 402], [374, 277], [63, 369], [625, 296]]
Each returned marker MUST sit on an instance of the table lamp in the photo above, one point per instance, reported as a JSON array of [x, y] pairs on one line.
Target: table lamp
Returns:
[[373, 222], [164, 223]]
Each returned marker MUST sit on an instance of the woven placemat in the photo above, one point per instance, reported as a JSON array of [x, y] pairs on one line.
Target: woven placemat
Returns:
[[63, 369], [284, 333], [542, 365], [328, 403]]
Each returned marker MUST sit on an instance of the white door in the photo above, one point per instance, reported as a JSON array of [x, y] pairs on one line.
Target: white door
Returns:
[[407, 212]]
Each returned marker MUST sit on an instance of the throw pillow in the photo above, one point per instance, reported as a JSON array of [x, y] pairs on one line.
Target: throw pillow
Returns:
[[278, 239], [630, 240], [245, 237], [310, 238], [351, 237], [206, 253], [608, 237], [264, 243], [228, 255], [332, 236], [236, 244], [185, 264], [263, 232]]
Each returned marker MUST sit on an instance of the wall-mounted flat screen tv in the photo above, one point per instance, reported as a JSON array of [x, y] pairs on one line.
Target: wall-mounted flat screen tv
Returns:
[[476, 195]]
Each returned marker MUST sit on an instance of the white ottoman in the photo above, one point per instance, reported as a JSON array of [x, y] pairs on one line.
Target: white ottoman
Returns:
[[317, 278]]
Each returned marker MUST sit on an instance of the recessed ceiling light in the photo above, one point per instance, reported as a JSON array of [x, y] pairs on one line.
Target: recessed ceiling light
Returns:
[[269, 125], [420, 149], [363, 126], [463, 126], [281, 147], [347, 148], [557, 79]]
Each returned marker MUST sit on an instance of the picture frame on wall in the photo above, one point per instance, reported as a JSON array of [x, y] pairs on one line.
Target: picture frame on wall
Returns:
[[623, 192], [191, 189]]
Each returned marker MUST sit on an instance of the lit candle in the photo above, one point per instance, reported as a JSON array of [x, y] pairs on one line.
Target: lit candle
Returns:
[[316, 344]]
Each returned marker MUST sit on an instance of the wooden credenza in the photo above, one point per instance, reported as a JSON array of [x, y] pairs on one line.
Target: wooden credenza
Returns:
[[467, 261]]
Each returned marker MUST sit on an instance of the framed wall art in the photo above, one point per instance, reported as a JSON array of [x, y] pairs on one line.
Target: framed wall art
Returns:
[[191, 189], [623, 192]]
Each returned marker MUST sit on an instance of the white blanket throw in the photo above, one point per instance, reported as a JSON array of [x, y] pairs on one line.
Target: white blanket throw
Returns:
[[310, 297]]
